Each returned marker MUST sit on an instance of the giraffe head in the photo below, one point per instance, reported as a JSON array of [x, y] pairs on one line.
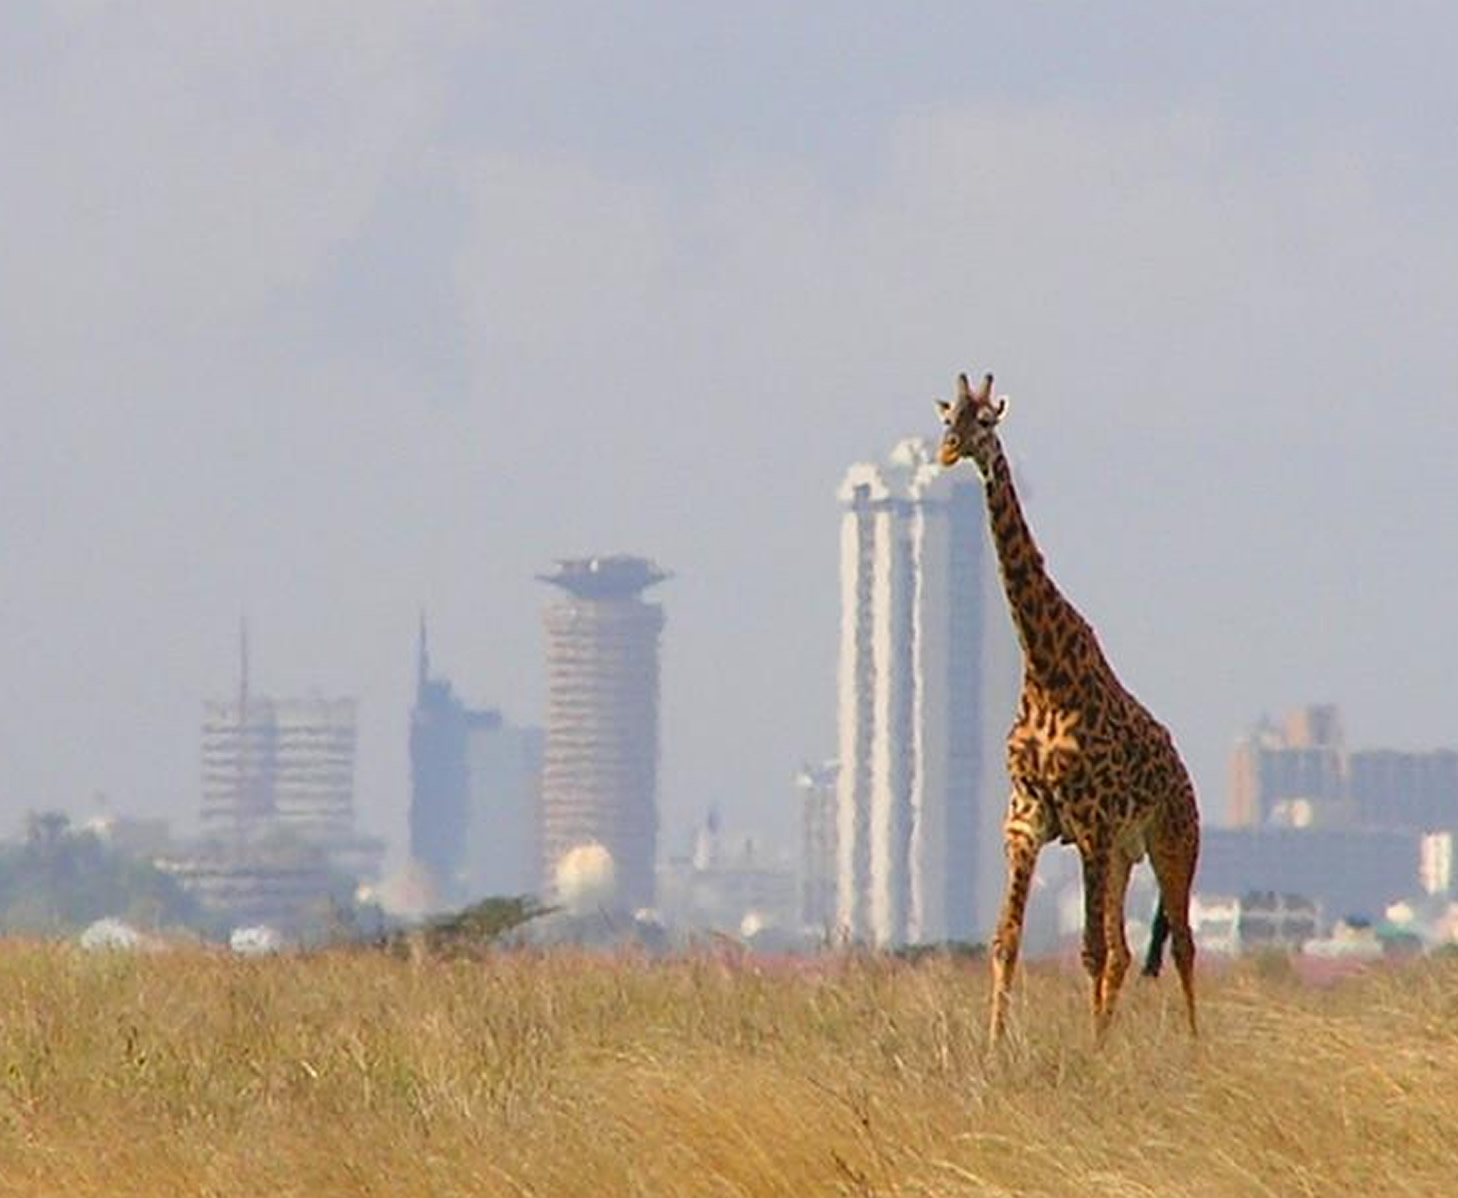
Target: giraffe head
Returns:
[[972, 425]]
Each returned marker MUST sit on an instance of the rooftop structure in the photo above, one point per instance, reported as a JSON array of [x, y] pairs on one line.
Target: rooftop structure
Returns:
[[612, 577]]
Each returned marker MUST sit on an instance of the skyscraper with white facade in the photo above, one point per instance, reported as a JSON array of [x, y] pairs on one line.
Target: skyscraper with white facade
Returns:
[[928, 682]]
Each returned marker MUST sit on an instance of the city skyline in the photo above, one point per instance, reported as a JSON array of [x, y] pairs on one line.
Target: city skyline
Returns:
[[324, 316], [1216, 803]]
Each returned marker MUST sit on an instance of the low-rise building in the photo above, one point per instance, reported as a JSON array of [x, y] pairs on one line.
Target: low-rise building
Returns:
[[282, 882], [1254, 922], [729, 892], [1349, 871]]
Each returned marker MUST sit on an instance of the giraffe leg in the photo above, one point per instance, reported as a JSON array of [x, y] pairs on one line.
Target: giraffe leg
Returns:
[[1022, 855], [1117, 955], [1173, 853], [1095, 945]]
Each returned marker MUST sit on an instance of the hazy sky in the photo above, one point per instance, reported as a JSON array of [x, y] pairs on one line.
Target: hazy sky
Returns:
[[327, 312]]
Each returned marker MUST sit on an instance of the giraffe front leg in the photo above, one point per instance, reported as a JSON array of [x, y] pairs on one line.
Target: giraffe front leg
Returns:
[[1022, 847]]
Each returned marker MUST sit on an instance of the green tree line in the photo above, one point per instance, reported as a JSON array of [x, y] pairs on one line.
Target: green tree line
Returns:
[[58, 879]]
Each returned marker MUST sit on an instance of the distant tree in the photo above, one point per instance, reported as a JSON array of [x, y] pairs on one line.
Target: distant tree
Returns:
[[58, 880], [472, 930], [45, 829]]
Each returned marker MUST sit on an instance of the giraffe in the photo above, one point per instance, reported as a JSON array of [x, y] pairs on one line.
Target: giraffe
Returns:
[[1089, 765]]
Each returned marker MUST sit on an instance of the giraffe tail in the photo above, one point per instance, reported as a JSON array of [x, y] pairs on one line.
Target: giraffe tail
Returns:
[[1158, 934]]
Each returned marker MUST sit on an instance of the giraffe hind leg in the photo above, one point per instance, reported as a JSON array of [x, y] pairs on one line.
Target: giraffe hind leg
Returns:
[[1173, 857]]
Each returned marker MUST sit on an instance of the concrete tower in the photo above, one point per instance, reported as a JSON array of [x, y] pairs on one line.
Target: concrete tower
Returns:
[[600, 763], [928, 685]]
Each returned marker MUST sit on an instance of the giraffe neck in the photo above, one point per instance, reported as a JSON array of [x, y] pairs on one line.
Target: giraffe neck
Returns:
[[1043, 617]]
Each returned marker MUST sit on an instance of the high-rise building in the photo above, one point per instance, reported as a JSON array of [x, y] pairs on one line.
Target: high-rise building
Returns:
[[928, 685], [1291, 774], [600, 762], [285, 764], [238, 747], [440, 786], [313, 765], [1300, 773], [277, 809], [474, 782], [503, 796], [1361, 828]]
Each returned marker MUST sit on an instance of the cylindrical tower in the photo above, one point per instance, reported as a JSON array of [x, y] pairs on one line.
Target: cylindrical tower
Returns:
[[600, 766]]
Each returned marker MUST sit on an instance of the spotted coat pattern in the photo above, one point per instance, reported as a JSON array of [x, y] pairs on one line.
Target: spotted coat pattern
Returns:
[[1089, 765]]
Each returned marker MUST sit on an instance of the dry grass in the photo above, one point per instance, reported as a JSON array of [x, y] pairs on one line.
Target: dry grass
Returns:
[[190, 1073]]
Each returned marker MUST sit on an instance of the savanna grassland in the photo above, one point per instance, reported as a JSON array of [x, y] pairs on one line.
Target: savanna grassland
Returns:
[[189, 1072]]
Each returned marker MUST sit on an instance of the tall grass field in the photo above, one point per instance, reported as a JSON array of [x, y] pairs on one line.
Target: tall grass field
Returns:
[[558, 1073]]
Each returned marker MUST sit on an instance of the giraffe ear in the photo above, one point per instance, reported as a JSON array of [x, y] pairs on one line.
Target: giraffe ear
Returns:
[[944, 409]]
